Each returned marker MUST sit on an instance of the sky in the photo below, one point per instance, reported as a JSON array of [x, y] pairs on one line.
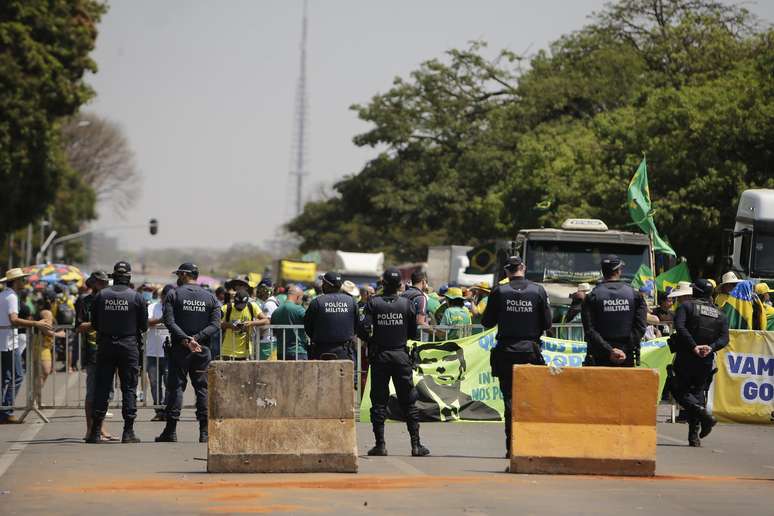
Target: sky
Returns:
[[204, 92]]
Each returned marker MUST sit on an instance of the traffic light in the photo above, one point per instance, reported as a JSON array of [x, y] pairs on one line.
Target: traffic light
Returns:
[[153, 226]]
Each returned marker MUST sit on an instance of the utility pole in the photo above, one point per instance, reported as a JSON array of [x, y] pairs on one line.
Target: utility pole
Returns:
[[300, 124]]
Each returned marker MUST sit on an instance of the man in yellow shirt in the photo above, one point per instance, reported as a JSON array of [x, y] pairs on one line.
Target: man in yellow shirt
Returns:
[[237, 320]]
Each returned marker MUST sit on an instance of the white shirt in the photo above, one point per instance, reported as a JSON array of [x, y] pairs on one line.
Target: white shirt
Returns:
[[9, 304], [156, 334], [269, 306]]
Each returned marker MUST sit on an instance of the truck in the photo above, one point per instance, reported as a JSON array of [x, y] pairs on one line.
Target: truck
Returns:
[[560, 259], [752, 240]]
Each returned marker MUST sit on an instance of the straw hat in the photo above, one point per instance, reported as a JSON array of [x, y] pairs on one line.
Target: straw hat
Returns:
[[350, 288], [729, 278], [684, 288], [14, 274]]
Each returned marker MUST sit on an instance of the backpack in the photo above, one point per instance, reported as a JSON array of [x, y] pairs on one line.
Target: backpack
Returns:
[[65, 315]]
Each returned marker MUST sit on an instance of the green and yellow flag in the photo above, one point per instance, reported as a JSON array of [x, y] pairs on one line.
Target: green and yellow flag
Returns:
[[740, 310], [643, 277], [671, 278], [638, 197]]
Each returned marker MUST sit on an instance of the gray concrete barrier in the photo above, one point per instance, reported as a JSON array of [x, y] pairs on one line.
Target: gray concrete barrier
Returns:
[[281, 417]]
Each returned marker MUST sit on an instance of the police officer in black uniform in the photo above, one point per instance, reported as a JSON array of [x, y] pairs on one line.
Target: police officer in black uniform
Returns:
[[192, 316], [700, 330], [521, 312], [120, 317], [331, 321], [614, 319], [388, 322]]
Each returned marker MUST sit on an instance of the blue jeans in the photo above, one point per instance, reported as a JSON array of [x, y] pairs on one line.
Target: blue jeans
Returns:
[[12, 372], [157, 374]]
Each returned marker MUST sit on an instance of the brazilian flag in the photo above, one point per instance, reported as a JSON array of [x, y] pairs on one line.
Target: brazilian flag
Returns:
[[643, 277], [739, 307], [769, 317], [670, 278], [483, 259], [638, 200]]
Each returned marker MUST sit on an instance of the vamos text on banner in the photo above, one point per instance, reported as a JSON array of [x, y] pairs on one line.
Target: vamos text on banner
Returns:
[[743, 390]]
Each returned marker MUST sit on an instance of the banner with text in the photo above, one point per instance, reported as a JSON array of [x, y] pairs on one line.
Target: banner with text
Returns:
[[454, 379], [743, 388]]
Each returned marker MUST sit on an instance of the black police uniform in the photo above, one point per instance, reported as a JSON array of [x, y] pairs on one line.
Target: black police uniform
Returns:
[[521, 312], [388, 323], [614, 316], [331, 322], [190, 312], [120, 317], [697, 322]]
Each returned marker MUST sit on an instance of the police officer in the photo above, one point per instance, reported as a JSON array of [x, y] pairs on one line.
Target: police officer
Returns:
[[388, 322], [120, 317], [700, 330], [331, 321], [614, 319], [521, 312], [192, 316]]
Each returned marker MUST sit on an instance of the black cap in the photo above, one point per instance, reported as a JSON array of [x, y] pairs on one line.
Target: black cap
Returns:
[[391, 277], [121, 269], [188, 268], [702, 288], [611, 263], [332, 278], [513, 262], [241, 297], [97, 276]]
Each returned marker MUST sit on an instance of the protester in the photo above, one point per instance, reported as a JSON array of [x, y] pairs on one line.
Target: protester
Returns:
[[156, 352], [43, 347], [521, 312], [614, 319], [331, 321], [388, 322], [350, 288], [664, 309], [700, 331], [238, 318], [268, 303], [479, 298], [292, 343], [416, 294], [456, 318], [120, 316], [728, 282], [11, 366], [192, 316]]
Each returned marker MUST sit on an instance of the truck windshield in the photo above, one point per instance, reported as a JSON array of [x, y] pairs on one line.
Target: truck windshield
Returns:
[[576, 262], [763, 255]]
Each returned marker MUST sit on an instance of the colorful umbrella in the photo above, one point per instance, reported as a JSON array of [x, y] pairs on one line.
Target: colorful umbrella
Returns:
[[55, 273]]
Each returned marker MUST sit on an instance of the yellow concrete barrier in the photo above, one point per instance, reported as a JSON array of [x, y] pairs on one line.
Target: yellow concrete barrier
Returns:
[[585, 420], [282, 417]]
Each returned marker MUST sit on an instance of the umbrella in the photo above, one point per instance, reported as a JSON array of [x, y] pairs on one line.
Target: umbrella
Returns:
[[54, 273]]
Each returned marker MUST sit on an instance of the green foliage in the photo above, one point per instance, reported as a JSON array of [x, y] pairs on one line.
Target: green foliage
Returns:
[[44, 53], [478, 149]]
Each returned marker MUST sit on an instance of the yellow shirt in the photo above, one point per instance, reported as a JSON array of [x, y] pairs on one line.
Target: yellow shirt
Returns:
[[238, 344]]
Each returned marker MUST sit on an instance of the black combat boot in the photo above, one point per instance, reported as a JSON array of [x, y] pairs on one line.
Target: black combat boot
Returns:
[[128, 435], [693, 434], [95, 434], [204, 434], [707, 422], [417, 450], [169, 434], [380, 449]]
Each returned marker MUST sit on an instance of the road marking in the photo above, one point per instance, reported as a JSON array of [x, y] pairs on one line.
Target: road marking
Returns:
[[672, 439], [404, 466], [13, 453]]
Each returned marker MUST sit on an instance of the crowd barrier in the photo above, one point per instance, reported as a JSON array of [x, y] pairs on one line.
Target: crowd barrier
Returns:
[[53, 373]]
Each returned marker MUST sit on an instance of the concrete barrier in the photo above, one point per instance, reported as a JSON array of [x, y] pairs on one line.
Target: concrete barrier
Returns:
[[585, 420], [281, 417]]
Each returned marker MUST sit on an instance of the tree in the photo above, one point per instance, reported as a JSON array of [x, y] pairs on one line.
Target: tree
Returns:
[[44, 53], [98, 151], [478, 149]]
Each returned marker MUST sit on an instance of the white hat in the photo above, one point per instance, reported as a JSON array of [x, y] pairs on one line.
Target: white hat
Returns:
[[684, 288], [729, 278], [14, 274], [350, 288], [584, 287]]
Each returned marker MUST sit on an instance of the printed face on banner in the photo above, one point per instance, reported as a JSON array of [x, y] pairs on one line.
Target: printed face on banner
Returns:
[[443, 362]]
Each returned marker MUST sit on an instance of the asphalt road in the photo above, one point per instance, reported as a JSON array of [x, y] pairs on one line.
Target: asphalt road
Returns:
[[47, 469]]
